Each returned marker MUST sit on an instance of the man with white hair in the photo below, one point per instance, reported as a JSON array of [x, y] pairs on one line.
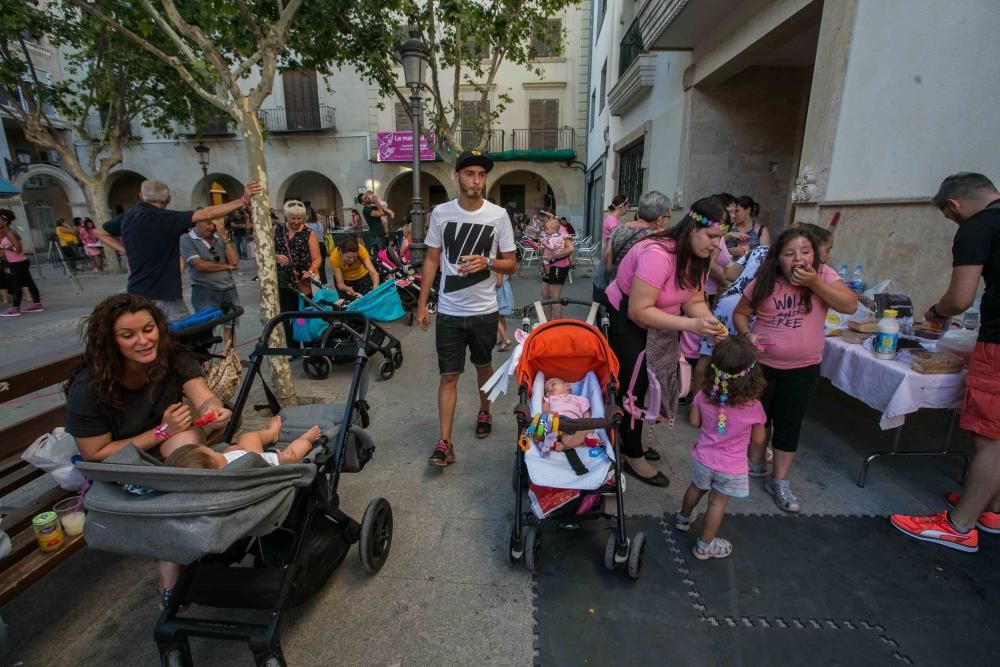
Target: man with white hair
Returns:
[[148, 234]]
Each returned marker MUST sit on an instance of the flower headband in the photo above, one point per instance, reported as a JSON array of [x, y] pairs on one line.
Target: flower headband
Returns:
[[720, 388], [701, 220]]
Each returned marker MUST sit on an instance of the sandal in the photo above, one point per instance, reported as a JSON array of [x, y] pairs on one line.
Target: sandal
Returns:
[[504, 346], [719, 548], [684, 525]]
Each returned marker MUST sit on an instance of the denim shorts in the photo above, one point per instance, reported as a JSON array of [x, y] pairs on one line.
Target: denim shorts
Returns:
[[454, 334], [704, 478], [205, 297]]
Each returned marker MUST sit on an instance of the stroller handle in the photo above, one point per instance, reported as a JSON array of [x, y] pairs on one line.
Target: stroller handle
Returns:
[[329, 316]]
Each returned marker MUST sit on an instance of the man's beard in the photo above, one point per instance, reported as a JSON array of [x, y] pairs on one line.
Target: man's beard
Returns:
[[472, 194]]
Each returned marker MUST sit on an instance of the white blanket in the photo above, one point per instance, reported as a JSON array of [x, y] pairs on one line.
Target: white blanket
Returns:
[[554, 470]]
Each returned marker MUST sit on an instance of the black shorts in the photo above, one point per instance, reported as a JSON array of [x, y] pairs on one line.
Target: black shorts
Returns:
[[454, 334], [556, 275]]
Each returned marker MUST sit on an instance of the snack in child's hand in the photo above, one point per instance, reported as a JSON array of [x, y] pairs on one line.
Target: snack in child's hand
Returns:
[[205, 419], [722, 330]]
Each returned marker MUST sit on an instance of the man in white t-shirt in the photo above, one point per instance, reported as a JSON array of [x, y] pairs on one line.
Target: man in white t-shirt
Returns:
[[464, 238]]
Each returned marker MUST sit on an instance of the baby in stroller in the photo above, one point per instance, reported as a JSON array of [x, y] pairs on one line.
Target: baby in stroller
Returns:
[[201, 456], [560, 400]]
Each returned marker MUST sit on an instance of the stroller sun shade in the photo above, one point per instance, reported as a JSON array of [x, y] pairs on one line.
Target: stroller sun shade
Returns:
[[567, 349]]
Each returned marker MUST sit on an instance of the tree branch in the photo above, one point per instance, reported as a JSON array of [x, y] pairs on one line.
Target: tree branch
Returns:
[[206, 45], [249, 20], [277, 37], [181, 45]]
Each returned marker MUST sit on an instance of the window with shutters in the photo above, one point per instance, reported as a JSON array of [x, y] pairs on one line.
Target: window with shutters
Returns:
[[547, 41], [472, 124], [543, 124], [630, 171], [604, 85], [301, 100], [475, 51], [403, 123], [593, 109]]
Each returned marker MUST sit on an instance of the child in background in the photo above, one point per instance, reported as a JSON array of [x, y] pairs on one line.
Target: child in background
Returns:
[[505, 300], [790, 297], [729, 418]]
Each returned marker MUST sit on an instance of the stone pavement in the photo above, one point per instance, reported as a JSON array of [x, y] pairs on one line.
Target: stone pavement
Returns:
[[445, 596]]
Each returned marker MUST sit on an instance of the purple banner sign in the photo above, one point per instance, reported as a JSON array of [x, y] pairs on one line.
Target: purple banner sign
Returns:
[[398, 147]]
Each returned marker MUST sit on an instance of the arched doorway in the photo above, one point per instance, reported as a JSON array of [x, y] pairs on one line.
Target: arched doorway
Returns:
[[123, 192], [522, 191], [49, 194], [314, 190], [216, 189], [399, 194]]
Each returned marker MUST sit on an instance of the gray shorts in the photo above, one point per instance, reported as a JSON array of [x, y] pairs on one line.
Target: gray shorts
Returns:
[[174, 310], [704, 478]]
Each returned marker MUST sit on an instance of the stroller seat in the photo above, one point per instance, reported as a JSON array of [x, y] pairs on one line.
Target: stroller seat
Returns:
[[555, 470]]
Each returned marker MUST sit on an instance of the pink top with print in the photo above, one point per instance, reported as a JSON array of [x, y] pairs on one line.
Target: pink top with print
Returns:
[[653, 262], [726, 453], [570, 406], [794, 338]]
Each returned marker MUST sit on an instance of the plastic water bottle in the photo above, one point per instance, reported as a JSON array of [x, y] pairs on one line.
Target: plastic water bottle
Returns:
[[845, 274], [970, 318], [858, 279], [887, 339]]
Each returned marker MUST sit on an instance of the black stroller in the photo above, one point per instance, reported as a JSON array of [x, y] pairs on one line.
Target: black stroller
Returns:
[[408, 281], [282, 524], [339, 335], [199, 336]]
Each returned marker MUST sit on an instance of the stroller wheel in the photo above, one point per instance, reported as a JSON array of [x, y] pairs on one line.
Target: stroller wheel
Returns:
[[317, 368], [512, 553], [637, 548], [532, 548], [397, 357], [610, 562], [376, 535], [386, 369], [176, 654]]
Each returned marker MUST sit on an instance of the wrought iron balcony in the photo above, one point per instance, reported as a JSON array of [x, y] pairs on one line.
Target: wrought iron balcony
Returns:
[[95, 125], [494, 142], [630, 47], [281, 121], [547, 140]]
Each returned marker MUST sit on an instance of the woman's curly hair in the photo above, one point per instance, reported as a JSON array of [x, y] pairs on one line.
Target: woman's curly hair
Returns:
[[104, 360]]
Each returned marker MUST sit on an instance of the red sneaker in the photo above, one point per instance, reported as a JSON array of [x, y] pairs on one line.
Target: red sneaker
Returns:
[[936, 528], [443, 454], [988, 521], [484, 424]]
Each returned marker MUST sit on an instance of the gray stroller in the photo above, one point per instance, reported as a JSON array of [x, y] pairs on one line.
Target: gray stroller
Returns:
[[250, 536]]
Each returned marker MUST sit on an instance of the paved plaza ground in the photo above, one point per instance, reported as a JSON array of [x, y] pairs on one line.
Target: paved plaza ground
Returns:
[[445, 596]]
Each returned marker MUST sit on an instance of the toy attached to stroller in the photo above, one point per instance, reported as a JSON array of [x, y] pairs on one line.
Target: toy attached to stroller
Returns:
[[570, 486], [392, 267], [340, 334], [250, 536]]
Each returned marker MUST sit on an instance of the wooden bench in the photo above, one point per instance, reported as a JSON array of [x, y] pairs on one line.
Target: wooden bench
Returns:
[[26, 563]]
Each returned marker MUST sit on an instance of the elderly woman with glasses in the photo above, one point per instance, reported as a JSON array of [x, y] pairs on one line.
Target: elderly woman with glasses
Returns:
[[296, 250]]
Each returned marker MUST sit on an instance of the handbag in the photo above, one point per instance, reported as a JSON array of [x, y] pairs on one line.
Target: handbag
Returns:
[[223, 374]]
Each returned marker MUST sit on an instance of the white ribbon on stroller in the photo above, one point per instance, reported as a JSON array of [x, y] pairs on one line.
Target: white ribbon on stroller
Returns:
[[499, 382]]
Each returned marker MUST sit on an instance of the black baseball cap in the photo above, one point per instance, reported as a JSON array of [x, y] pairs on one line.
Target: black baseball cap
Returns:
[[474, 158]]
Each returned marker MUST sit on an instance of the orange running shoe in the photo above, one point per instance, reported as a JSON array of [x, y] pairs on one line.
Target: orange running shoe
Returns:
[[988, 521], [936, 528]]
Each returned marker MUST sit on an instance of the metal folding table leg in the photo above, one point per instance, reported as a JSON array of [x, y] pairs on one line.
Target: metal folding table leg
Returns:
[[944, 451]]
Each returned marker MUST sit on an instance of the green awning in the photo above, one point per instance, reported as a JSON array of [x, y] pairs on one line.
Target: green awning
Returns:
[[534, 155], [8, 189]]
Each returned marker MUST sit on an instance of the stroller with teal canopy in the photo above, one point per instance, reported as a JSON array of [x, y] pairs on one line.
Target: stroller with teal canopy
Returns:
[[380, 305]]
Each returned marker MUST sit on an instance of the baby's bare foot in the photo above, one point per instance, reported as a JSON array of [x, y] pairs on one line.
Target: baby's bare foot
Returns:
[[312, 435], [273, 429]]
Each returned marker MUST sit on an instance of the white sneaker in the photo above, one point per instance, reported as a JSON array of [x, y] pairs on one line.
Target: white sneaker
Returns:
[[782, 494]]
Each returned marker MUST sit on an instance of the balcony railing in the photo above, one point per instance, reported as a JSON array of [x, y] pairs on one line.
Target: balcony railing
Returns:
[[546, 140], [630, 47], [95, 125], [493, 144], [299, 120]]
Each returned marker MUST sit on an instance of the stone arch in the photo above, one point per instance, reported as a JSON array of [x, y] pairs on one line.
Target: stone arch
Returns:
[[74, 193], [123, 190], [312, 186], [60, 197], [542, 186], [398, 192], [232, 186]]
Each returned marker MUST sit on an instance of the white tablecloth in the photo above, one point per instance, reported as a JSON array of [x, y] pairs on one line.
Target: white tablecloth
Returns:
[[889, 386]]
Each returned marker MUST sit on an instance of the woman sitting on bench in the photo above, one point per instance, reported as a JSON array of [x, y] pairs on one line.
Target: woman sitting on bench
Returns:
[[130, 386]]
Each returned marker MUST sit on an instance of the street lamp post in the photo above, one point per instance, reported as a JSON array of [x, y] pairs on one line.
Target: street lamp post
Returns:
[[203, 156], [413, 55]]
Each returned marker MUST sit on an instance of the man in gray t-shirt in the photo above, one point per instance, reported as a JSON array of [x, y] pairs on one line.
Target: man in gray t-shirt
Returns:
[[211, 258]]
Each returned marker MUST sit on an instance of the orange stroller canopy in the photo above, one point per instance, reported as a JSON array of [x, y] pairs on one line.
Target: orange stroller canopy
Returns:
[[568, 349]]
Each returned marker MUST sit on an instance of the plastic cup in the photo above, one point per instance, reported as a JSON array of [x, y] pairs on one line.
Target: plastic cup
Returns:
[[71, 515]]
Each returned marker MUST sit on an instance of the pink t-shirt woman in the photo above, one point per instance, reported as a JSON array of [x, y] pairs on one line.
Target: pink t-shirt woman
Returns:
[[794, 338], [610, 222], [554, 244], [654, 262]]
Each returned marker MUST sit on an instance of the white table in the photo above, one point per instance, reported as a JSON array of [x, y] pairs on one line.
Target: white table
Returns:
[[894, 389]]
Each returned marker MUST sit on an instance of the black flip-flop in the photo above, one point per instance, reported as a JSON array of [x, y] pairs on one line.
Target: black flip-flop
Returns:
[[659, 479], [651, 454]]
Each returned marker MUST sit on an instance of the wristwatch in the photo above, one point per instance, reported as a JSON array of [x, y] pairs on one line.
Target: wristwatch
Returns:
[[489, 263]]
